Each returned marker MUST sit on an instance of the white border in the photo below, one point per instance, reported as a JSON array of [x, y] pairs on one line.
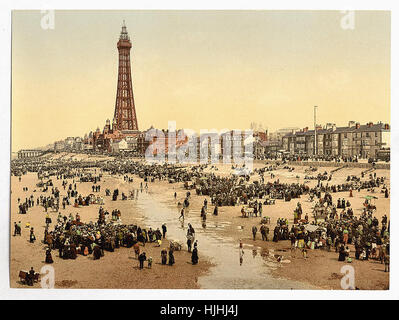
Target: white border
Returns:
[[5, 81]]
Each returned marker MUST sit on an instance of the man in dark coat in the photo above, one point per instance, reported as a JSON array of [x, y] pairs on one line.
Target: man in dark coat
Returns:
[[254, 231], [142, 258], [342, 253], [30, 277]]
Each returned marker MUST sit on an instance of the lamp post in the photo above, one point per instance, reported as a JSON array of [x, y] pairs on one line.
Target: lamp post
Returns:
[[315, 132]]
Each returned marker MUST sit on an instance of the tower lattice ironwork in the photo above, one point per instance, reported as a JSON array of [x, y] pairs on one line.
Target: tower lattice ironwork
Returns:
[[125, 112]]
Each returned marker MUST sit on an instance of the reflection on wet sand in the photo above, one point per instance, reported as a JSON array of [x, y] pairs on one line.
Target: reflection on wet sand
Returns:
[[231, 269]]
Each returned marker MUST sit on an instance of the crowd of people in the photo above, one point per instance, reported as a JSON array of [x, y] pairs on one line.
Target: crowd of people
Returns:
[[72, 238]]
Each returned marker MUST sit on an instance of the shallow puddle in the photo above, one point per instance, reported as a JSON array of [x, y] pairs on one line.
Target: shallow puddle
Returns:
[[228, 273]]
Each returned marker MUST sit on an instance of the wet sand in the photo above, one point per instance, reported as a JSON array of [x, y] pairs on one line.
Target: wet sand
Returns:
[[118, 269], [321, 269], [219, 265]]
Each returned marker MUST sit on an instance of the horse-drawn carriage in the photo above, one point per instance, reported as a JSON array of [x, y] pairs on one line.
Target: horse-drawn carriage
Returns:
[[44, 184], [189, 186], [24, 275], [269, 202], [265, 220], [368, 202], [85, 179], [311, 169], [320, 213], [175, 245], [96, 199]]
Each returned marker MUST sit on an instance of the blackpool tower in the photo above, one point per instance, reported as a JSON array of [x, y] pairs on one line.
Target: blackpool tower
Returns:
[[125, 112]]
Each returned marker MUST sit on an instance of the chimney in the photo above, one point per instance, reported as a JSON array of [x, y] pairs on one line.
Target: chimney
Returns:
[[330, 126], [386, 126], [351, 124], [357, 125], [305, 129], [370, 124]]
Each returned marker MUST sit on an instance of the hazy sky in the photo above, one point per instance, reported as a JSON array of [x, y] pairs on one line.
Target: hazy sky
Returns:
[[203, 69]]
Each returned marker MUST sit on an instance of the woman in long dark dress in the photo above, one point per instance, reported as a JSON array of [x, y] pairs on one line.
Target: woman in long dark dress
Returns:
[[72, 254], [189, 243], [32, 236], [276, 234], [164, 256], [342, 253], [216, 210], [96, 252], [49, 258], [194, 256], [171, 258]]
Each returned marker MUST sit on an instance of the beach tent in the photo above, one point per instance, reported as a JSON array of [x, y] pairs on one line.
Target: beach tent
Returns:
[[312, 228]]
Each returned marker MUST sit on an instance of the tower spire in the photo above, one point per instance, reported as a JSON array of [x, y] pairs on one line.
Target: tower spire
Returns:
[[124, 35], [125, 112]]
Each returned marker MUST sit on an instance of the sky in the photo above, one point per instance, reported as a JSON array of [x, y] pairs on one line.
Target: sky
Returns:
[[202, 69]]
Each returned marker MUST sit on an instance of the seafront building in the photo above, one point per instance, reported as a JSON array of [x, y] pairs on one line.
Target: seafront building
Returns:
[[354, 140]]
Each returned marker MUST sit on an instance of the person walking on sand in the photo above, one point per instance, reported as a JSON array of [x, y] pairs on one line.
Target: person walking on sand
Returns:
[[16, 229], [386, 262], [32, 236], [171, 258], [194, 256], [189, 242], [254, 231], [49, 258], [164, 255], [164, 230], [142, 258], [216, 210], [182, 214], [264, 232], [136, 248]]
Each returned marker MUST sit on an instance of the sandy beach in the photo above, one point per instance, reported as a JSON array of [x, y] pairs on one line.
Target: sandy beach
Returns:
[[218, 240]]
